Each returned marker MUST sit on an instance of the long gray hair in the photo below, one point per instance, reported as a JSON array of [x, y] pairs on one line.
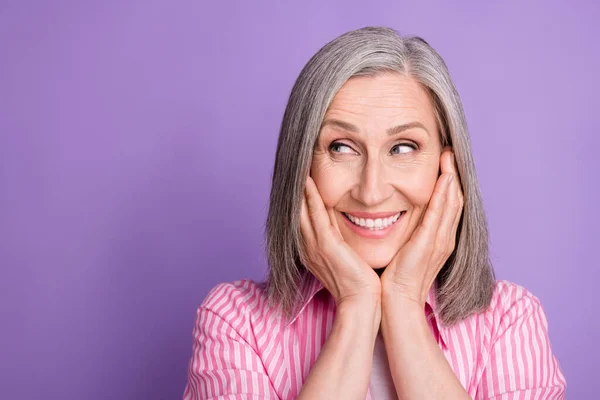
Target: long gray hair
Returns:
[[465, 283]]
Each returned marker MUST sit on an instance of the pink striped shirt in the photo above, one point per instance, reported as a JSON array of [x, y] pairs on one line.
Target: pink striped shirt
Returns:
[[242, 349]]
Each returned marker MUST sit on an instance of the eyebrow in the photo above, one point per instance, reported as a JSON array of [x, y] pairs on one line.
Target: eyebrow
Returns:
[[391, 131]]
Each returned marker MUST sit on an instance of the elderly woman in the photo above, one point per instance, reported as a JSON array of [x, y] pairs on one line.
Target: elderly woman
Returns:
[[380, 285]]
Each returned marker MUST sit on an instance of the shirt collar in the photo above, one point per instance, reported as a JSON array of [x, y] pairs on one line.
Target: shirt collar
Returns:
[[310, 286]]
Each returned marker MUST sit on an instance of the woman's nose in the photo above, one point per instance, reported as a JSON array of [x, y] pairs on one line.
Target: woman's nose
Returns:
[[373, 188]]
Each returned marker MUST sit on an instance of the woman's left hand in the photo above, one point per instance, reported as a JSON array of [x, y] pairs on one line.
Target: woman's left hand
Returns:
[[413, 269]]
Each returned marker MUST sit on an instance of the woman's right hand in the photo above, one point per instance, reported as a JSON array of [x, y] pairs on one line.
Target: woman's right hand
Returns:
[[330, 259]]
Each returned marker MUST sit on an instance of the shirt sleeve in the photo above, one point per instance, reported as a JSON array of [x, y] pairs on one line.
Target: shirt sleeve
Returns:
[[521, 364], [224, 366]]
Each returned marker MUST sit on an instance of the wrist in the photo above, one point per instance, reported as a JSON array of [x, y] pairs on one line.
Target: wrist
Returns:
[[400, 314], [397, 304], [364, 299], [361, 304], [361, 309], [400, 298]]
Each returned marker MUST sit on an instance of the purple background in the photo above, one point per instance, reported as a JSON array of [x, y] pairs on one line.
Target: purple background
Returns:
[[137, 140]]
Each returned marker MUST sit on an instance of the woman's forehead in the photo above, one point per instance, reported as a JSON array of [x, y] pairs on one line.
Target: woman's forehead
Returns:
[[380, 103], [384, 92]]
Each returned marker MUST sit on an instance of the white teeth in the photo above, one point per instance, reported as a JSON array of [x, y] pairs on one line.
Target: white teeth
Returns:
[[373, 225]]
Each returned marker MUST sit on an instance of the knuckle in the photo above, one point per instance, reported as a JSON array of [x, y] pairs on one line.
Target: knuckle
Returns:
[[439, 193], [327, 246], [449, 250], [322, 242], [430, 248], [439, 250]]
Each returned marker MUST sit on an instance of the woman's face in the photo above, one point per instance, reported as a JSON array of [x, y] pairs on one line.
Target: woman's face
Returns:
[[378, 152]]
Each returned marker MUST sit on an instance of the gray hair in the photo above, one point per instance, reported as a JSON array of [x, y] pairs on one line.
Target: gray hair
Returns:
[[465, 283]]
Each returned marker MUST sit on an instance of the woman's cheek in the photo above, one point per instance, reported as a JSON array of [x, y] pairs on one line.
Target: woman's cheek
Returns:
[[417, 188], [333, 184]]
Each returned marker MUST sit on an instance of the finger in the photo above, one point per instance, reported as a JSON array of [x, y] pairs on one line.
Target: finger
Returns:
[[447, 161], [457, 218], [435, 209], [457, 187], [446, 168], [334, 223], [446, 235], [457, 179], [430, 219], [308, 234], [316, 209], [305, 221], [461, 203]]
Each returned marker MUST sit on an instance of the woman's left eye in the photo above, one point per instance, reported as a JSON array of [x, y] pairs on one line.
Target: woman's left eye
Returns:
[[338, 145], [407, 148]]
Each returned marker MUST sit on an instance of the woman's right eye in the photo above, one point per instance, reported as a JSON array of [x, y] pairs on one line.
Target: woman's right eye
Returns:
[[336, 146]]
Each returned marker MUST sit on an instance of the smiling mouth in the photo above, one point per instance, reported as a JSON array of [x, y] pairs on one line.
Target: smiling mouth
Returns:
[[373, 224]]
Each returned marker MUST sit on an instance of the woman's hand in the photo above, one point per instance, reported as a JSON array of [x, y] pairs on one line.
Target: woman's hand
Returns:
[[331, 260], [416, 265]]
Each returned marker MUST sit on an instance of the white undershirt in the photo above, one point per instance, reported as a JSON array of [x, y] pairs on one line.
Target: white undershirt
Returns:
[[381, 384]]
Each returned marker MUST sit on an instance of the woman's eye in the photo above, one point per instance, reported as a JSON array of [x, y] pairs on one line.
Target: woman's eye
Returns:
[[397, 149], [340, 148], [403, 148]]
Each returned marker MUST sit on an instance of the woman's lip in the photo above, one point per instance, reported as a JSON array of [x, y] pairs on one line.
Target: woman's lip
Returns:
[[372, 234], [372, 215]]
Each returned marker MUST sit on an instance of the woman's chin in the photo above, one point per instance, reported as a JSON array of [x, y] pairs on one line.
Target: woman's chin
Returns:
[[376, 256], [378, 261]]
